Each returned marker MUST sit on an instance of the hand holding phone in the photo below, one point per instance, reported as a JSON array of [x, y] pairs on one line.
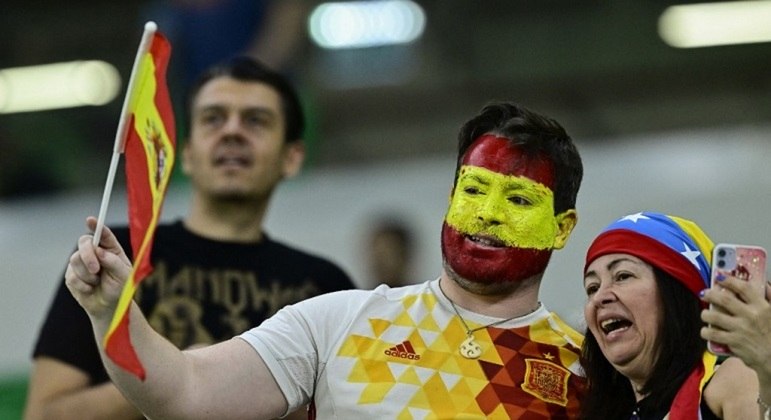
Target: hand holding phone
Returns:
[[745, 262]]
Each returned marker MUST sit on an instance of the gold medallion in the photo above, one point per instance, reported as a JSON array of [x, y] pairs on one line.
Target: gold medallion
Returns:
[[470, 349]]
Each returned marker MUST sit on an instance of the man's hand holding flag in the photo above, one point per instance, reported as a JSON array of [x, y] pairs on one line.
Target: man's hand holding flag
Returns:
[[146, 132]]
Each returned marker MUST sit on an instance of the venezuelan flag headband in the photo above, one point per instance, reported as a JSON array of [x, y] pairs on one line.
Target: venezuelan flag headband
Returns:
[[675, 245]]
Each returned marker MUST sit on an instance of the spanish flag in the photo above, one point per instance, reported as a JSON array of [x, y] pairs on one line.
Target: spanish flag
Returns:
[[149, 149]]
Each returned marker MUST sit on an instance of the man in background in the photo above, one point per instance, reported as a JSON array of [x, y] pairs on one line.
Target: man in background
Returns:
[[389, 250], [216, 272]]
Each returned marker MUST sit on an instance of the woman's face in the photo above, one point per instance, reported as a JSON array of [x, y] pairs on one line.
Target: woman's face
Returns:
[[623, 312]]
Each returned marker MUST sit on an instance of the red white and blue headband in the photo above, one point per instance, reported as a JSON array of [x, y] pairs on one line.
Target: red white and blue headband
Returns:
[[675, 245]]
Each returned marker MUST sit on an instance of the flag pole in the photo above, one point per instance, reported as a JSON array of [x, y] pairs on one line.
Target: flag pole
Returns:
[[120, 135]]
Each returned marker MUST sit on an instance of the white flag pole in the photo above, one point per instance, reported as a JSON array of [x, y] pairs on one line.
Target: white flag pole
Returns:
[[120, 135]]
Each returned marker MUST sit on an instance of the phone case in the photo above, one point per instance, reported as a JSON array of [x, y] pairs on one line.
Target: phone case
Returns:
[[746, 262]]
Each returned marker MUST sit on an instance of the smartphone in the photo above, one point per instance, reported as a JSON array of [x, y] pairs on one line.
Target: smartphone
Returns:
[[746, 262]]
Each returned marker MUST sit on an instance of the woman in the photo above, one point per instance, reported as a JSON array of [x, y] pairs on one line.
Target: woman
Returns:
[[643, 354]]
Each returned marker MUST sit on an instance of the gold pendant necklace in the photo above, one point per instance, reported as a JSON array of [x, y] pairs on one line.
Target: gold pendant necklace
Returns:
[[469, 348]]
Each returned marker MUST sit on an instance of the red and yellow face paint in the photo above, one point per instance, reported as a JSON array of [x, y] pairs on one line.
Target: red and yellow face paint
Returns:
[[500, 225]]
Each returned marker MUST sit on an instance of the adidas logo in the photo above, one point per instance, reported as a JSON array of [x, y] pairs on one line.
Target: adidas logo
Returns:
[[403, 350]]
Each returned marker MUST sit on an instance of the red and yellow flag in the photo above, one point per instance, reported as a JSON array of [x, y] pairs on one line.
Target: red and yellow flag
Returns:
[[149, 149], [687, 402]]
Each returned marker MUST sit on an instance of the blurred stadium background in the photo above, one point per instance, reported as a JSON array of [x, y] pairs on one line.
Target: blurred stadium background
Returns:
[[685, 131]]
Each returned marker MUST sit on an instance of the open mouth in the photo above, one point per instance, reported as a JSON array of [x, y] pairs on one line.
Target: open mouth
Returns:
[[486, 240], [614, 324]]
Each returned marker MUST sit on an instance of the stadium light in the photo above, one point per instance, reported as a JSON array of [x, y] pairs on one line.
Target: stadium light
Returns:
[[363, 24], [58, 85], [710, 24]]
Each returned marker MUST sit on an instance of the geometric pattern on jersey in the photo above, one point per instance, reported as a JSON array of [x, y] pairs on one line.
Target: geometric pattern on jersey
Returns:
[[412, 361]]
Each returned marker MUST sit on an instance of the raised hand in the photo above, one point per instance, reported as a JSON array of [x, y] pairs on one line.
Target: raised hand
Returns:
[[742, 320], [95, 275]]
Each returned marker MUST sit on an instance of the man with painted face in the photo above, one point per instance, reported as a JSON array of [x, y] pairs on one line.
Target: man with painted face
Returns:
[[475, 343]]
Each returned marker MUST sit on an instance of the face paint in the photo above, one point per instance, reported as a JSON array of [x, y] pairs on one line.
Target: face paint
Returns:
[[501, 224], [490, 265], [499, 154], [512, 211]]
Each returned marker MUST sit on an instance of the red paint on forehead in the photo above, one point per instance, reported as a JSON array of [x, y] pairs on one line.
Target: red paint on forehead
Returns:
[[500, 155]]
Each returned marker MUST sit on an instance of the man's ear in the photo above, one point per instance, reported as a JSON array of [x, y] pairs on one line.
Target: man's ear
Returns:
[[566, 221], [294, 156]]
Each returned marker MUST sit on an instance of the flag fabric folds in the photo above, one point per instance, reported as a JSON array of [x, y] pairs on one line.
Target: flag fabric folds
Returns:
[[149, 149]]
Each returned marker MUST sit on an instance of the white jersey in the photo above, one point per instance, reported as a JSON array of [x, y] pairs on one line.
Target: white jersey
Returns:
[[394, 353]]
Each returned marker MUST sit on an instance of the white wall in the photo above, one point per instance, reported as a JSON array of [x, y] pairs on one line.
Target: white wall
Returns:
[[721, 179]]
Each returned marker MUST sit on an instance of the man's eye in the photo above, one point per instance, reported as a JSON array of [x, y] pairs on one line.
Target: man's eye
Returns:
[[211, 118], [256, 121], [520, 201]]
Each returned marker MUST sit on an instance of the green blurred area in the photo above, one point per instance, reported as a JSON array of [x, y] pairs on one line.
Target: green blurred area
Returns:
[[13, 391]]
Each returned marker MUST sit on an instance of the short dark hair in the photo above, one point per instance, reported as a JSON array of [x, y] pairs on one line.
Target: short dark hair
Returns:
[[680, 348], [247, 69], [536, 134]]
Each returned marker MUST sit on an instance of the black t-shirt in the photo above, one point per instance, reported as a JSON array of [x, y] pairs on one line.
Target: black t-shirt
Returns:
[[200, 291]]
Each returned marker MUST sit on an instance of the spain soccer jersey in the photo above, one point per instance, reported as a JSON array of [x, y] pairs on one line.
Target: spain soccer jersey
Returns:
[[394, 353]]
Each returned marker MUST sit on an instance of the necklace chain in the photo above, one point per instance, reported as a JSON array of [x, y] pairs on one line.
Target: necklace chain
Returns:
[[469, 348], [470, 331]]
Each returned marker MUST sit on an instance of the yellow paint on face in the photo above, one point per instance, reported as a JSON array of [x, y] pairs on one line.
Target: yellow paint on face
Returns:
[[514, 209]]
